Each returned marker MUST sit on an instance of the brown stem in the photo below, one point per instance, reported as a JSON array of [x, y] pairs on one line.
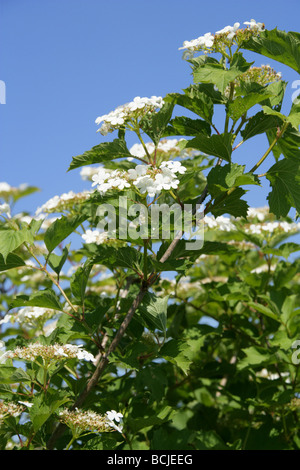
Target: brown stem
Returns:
[[100, 367]]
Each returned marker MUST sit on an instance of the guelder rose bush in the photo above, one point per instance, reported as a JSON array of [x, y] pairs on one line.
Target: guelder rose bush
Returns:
[[119, 337]]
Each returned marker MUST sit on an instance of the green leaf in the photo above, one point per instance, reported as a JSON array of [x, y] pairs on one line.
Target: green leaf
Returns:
[[278, 90], [256, 356], [216, 74], [153, 310], [23, 191], [231, 204], [293, 118], [196, 100], [288, 145], [177, 352], [79, 280], [284, 177], [125, 257], [12, 261], [61, 229], [11, 375], [264, 310], [182, 125], [222, 178], [56, 262], [44, 406], [154, 125], [285, 272], [103, 152], [162, 415], [44, 298], [101, 443], [12, 239], [278, 45], [242, 104], [218, 145], [258, 124]]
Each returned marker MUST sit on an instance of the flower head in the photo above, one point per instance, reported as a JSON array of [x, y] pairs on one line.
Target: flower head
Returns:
[[55, 352], [253, 25], [81, 421], [134, 110]]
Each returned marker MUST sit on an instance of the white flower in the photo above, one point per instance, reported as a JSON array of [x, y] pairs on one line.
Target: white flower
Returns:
[[221, 222], [137, 103], [9, 409], [165, 181], [29, 315], [114, 416], [53, 352], [136, 108], [87, 172], [205, 41], [57, 203], [260, 213], [5, 187], [169, 146], [95, 236], [26, 403], [106, 180], [146, 185], [89, 420], [173, 166], [263, 268], [5, 209], [2, 353], [137, 150], [147, 178], [254, 25], [139, 170], [231, 30]]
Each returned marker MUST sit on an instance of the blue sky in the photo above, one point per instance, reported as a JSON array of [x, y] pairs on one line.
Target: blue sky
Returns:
[[65, 62]]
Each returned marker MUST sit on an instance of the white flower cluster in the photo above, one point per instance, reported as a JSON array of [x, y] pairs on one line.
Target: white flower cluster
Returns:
[[5, 187], [53, 352], [254, 26], [258, 212], [137, 108], [270, 227], [95, 236], [10, 409], [229, 31], [269, 375], [227, 224], [8, 190], [58, 203], [89, 420], [220, 222], [29, 316], [263, 269], [165, 146], [87, 172], [202, 42], [146, 178], [106, 179], [5, 209], [208, 41]]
